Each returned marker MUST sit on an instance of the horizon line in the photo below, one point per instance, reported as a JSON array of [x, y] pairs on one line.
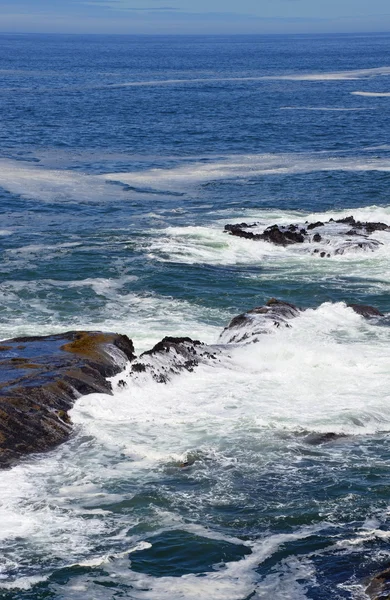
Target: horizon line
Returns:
[[219, 34]]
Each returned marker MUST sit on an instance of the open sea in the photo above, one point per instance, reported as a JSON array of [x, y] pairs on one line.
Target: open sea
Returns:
[[121, 160]]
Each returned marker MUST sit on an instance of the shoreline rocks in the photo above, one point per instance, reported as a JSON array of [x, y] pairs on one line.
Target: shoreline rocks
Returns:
[[171, 356], [258, 321], [334, 237], [41, 377]]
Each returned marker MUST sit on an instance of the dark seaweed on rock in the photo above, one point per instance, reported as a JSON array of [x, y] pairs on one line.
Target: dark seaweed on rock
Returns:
[[41, 377]]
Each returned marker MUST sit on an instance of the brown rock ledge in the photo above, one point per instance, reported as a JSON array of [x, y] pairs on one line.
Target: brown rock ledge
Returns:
[[41, 377]]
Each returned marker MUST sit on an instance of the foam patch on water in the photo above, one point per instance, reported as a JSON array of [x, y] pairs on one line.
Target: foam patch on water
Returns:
[[55, 185], [22, 583], [372, 94], [290, 582], [326, 76], [326, 108], [230, 581], [238, 167]]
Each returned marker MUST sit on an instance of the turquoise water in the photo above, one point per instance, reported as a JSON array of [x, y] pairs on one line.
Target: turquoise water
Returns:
[[121, 160]]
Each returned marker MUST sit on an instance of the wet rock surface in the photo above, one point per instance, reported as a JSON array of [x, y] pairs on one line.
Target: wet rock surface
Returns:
[[335, 237], [379, 586], [171, 356], [248, 326], [365, 310], [41, 377], [317, 439]]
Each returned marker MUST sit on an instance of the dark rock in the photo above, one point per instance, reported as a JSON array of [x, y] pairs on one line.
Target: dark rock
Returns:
[[239, 230], [172, 356], [368, 226], [365, 311], [283, 236], [248, 326], [331, 232], [314, 225], [346, 221], [316, 439], [379, 587], [359, 243], [371, 227], [41, 377]]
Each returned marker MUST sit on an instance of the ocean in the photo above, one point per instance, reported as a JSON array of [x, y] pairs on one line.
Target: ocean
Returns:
[[121, 160]]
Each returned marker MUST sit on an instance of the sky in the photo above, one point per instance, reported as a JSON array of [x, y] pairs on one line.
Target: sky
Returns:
[[194, 16]]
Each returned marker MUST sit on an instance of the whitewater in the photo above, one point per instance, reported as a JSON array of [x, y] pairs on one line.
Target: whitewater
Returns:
[[122, 159]]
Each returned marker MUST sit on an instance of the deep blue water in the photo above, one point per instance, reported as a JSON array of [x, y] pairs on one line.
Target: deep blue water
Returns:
[[121, 159]]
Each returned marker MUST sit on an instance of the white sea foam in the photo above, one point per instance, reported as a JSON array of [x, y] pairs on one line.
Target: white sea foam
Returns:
[[22, 583], [241, 167], [325, 108], [146, 318], [231, 581], [55, 185], [328, 372], [372, 94], [336, 382], [210, 245], [326, 76], [304, 77]]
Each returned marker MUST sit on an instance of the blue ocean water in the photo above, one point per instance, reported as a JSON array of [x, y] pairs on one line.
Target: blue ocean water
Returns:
[[121, 160]]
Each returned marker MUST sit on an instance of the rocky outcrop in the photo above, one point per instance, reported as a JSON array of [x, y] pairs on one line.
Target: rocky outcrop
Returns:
[[379, 586], [248, 326], [41, 377], [335, 237], [171, 356], [365, 311], [317, 439]]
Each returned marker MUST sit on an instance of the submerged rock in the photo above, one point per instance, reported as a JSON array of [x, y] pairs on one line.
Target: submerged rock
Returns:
[[365, 311], [335, 237], [316, 439], [248, 326], [41, 377], [172, 356]]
